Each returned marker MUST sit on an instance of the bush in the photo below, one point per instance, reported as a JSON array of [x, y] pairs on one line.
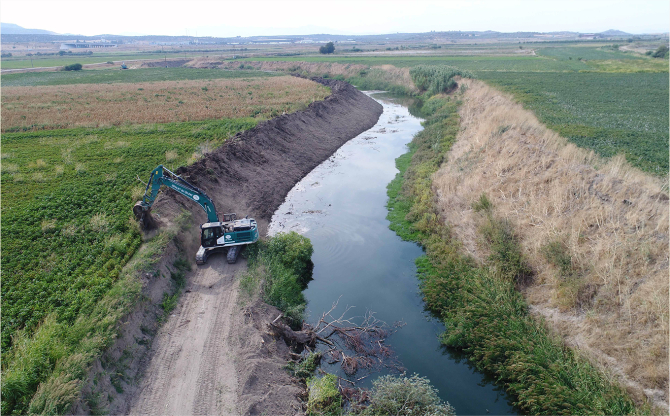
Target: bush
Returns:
[[282, 267], [73, 67], [436, 78], [661, 52], [328, 48], [403, 396], [324, 396], [6, 55], [305, 368]]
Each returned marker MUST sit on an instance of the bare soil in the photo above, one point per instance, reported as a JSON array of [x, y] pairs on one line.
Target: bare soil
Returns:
[[214, 355]]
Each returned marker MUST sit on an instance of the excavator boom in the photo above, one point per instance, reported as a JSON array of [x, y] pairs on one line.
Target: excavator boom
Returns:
[[163, 176]]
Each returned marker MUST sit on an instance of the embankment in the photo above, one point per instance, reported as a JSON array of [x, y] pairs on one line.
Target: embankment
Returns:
[[451, 195], [250, 175], [594, 232]]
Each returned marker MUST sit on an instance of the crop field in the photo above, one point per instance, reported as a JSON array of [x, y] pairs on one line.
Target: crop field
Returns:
[[95, 58], [97, 105], [609, 113], [599, 97], [110, 76]]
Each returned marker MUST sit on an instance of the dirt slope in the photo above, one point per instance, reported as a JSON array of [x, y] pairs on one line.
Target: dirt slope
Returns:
[[213, 355]]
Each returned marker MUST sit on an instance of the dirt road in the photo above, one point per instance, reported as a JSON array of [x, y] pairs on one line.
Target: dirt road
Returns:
[[192, 370]]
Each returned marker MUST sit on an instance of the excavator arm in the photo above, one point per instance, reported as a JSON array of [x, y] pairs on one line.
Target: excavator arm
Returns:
[[162, 176]]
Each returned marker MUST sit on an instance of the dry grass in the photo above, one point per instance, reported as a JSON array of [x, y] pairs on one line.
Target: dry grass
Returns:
[[611, 300], [95, 105]]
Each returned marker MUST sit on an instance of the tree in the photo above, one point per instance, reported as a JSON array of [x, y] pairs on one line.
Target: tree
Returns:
[[73, 67], [328, 48], [661, 52]]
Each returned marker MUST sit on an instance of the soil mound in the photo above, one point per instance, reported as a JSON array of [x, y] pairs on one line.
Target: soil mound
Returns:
[[252, 173]]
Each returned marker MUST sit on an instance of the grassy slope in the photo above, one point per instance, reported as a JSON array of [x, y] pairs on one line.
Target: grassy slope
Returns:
[[483, 313]]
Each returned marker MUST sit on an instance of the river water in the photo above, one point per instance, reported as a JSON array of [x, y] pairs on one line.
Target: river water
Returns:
[[341, 207]]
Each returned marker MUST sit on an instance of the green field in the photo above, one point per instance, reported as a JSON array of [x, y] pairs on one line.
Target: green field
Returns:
[[607, 112], [95, 58], [110, 76], [610, 101]]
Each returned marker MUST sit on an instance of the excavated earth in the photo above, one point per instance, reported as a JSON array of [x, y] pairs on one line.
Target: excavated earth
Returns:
[[214, 354]]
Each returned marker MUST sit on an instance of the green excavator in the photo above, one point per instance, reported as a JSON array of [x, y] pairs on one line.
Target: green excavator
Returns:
[[227, 235]]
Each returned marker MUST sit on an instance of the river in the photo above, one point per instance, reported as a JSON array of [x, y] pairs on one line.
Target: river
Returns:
[[341, 207]]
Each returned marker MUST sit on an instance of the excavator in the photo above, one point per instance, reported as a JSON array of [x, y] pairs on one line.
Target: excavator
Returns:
[[229, 235]]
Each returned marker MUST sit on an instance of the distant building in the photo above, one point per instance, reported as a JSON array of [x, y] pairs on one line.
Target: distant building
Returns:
[[96, 44]]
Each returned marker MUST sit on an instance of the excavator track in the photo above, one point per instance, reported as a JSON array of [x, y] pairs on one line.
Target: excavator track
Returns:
[[233, 252]]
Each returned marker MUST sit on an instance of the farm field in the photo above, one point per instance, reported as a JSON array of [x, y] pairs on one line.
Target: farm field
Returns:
[[95, 58], [67, 228], [609, 101], [609, 113], [97, 105], [109, 76]]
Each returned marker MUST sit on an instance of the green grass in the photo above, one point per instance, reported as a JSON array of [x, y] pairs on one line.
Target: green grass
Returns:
[[110, 76], [484, 315], [588, 53], [609, 113]]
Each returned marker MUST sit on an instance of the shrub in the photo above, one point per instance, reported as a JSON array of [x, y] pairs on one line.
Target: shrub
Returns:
[[436, 78], [324, 396], [282, 267], [328, 48], [6, 55], [73, 67], [661, 52], [405, 396], [305, 368]]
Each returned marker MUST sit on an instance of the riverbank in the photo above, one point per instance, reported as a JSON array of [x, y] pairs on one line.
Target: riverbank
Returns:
[[250, 175], [484, 313], [592, 231]]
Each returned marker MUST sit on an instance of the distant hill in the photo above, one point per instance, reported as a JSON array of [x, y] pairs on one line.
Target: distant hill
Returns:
[[12, 29], [614, 32]]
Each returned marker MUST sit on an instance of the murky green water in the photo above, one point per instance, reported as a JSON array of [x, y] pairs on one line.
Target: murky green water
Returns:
[[341, 207]]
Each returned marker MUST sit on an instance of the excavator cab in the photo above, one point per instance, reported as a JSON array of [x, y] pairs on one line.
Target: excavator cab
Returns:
[[210, 235]]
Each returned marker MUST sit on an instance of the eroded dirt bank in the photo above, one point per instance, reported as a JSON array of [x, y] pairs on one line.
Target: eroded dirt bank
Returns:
[[213, 354]]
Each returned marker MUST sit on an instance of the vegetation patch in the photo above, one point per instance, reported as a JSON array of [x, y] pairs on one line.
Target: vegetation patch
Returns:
[[324, 396], [485, 316], [404, 396], [279, 269], [42, 372]]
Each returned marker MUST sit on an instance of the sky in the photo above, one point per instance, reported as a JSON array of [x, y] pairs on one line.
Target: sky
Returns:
[[223, 18]]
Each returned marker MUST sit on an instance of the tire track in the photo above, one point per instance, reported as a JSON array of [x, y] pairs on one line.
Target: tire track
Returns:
[[189, 372]]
